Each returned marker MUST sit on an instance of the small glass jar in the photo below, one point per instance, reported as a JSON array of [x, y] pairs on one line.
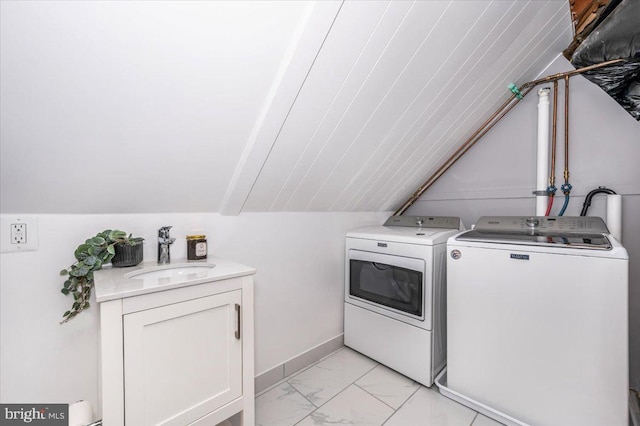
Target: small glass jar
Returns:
[[196, 247]]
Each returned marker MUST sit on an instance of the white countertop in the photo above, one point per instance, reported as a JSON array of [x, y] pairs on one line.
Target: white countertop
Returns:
[[111, 283]]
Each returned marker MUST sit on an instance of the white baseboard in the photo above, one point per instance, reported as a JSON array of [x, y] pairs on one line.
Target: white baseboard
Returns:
[[297, 363]]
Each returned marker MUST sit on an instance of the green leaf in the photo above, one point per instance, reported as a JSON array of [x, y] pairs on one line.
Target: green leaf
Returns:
[[116, 234], [66, 314], [90, 261], [98, 241], [82, 251], [80, 270], [64, 272], [65, 291], [111, 249]]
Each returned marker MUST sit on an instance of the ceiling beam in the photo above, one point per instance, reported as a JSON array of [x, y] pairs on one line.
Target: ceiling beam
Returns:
[[305, 45]]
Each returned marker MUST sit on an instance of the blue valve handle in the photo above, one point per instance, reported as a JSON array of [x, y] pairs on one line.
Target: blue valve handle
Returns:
[[516, 91]]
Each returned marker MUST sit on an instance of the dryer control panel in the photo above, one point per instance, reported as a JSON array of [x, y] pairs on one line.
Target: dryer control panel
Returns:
[[445, 222]]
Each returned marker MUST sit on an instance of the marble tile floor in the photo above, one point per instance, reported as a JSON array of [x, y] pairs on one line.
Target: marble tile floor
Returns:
[[347, 388]]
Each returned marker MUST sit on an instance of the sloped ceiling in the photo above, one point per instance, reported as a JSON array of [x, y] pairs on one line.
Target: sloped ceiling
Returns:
[[110, 107]]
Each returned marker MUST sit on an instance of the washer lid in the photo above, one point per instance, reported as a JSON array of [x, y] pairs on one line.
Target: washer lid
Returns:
[[565, 231]]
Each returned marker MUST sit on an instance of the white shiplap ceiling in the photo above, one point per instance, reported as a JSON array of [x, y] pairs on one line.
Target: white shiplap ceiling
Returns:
[[393, 90], [238, 106]]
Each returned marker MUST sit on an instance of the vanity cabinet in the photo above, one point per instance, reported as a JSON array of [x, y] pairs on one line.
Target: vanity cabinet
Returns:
[[179, 356]]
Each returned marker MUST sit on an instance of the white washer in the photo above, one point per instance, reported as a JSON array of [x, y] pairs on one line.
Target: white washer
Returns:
[[537, 320], [395, 293]]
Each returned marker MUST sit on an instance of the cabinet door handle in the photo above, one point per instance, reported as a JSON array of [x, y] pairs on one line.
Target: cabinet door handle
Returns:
[[238, 321]]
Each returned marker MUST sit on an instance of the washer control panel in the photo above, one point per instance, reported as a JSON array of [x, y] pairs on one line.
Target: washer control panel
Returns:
[[543, 224], [445, 222]]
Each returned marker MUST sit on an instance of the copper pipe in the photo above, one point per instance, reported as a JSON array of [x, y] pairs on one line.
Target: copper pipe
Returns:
[[566, 129], [525, 88], [558, 76], [482, 130], [554, 131]]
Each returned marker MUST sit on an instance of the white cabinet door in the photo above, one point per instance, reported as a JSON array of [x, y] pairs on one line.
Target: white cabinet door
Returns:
[[182, 361]]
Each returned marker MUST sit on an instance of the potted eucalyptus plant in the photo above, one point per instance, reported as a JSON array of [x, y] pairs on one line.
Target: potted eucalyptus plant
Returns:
[[91, 256]]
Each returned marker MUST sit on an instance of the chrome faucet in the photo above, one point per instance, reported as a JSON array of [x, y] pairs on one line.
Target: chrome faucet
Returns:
[[164, 241]]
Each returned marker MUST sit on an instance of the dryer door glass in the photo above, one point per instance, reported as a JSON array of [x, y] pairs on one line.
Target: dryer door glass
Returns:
[[387, 285]]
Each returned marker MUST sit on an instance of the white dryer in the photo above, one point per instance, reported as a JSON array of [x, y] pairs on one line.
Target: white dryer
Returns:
[[394, 308], [537, 320]]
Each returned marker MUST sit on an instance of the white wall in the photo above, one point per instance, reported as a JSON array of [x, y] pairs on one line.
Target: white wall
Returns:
[[497, 176], [298, 302], [100, 93]]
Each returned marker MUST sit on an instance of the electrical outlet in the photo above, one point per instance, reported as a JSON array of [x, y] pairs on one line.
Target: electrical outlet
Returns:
[[18, 233]]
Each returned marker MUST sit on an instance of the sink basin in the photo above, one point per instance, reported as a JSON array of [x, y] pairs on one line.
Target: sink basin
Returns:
[[149, 277], [180, 271]]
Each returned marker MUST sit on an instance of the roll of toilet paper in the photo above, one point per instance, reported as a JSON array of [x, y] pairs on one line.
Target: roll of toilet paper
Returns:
[[80, 413], [614, 215]]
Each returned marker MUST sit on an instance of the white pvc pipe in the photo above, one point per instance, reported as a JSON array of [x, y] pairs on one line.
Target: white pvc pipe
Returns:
[[542, 174], [614, 215]]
